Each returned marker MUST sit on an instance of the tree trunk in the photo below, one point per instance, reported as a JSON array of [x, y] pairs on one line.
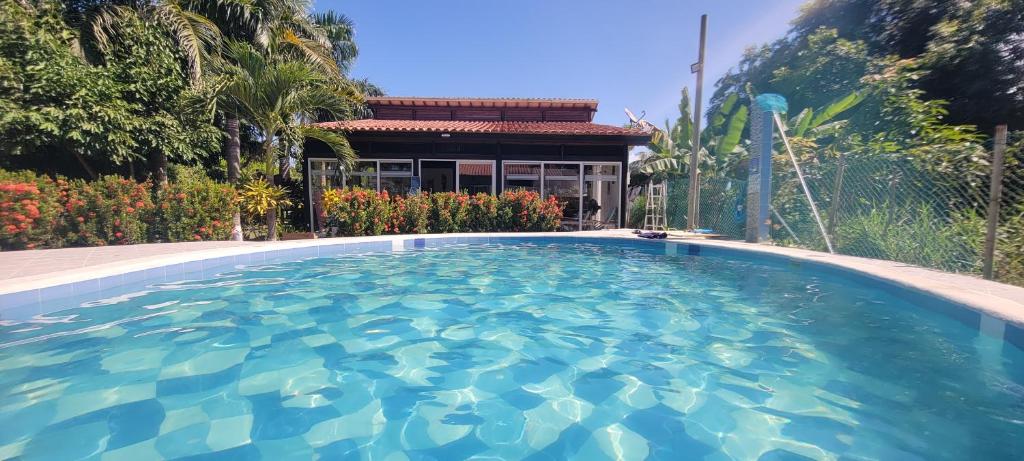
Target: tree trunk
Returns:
[[284, 165], [233, 156], [269, 164], [158, 167]]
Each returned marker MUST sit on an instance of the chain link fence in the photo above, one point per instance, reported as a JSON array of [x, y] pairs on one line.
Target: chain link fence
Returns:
[[882, 206]]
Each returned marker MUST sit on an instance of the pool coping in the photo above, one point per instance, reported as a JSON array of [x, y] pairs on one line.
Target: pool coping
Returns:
[[1001, 304]]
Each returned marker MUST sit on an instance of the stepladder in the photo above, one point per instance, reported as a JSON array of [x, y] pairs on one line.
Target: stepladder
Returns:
[[654, 216]]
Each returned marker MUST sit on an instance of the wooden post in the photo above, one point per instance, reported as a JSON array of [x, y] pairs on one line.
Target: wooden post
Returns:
[[994, 196], [693, 205]]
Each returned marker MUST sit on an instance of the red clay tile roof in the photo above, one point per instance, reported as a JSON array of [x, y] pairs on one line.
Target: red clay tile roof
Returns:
[[483, 127], [421, 101]]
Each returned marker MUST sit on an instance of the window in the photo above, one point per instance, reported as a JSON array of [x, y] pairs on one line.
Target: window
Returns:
[[364, 175], [476, 177], [396, 176], [562, 180], [600, 196], [522, 176]]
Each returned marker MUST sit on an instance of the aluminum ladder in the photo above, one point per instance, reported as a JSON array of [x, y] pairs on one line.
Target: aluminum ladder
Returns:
[[654, 218]]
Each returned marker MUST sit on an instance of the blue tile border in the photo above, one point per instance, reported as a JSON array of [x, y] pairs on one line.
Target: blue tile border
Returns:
[[26, 304]]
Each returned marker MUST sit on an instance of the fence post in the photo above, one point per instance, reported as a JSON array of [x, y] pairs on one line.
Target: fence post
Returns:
[[994, 196], [837, 193]]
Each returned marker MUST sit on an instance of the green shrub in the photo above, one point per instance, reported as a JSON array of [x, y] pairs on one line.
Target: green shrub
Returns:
[[637, 212], [356, 212], [482, 213], [410, 215], [448, 212], [915, 236], [195, 207], [38, 212]]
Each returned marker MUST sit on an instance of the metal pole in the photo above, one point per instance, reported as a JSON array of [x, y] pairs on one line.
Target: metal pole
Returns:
[[995, 193], [693, 207], [803, 183]]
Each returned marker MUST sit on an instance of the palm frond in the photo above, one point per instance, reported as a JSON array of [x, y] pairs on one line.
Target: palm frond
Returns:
[[336, 141]]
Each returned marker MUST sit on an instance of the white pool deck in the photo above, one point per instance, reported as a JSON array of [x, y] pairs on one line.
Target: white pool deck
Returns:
[[37, 269]]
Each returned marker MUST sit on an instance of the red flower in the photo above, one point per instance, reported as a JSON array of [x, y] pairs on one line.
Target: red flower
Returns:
[[118, 234]]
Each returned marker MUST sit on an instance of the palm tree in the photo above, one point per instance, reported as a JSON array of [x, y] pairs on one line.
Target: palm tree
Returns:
[[279, 97], [281, 28]]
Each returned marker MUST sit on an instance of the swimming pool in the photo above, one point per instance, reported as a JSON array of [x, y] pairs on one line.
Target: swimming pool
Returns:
[[518, 349]]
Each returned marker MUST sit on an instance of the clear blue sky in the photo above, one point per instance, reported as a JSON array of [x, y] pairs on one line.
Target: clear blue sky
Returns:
[[624, 53]]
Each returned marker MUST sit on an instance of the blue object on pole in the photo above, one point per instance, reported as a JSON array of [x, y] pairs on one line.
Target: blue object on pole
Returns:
[[772, 102]]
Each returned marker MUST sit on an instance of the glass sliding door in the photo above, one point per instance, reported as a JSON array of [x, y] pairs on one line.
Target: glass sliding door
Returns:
[[476, 177], [601, 196], [438, 175], [522, 176], [364, 175], [396, 176], [324, 175], [562, 180]]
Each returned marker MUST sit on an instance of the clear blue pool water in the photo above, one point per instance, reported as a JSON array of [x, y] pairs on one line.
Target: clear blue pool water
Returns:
[[519, 351]]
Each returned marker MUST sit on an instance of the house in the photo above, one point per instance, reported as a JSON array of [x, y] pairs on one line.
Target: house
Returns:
[[484, 145]]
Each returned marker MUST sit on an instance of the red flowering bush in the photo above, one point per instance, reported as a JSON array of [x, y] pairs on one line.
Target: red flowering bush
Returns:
[[410, 215], [524, 211], [365, 212], [448, 212], [29, 210], [195, 207], [111, 210], [358, 212], [482, 213]]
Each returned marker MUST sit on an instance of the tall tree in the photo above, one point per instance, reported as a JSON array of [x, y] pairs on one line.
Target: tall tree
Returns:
[[279, 97], [122, 108], [969, 53]]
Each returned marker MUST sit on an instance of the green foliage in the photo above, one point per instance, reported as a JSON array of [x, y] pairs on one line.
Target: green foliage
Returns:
[[637, 211], [448, 212], [410, 214], [355, 212], [257, 197], [53, 103], [110, 210], [482, 212], [969, 53], [194, 207], [909, 235]]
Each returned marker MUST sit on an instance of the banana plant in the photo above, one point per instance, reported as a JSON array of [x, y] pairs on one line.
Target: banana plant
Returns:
[[810, 123], [668, 153]]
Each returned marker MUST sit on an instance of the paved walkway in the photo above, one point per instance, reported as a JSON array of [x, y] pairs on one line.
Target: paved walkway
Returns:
[[23, 270]]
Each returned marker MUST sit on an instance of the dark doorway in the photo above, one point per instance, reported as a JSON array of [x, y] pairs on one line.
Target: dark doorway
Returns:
[[437, 176]]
